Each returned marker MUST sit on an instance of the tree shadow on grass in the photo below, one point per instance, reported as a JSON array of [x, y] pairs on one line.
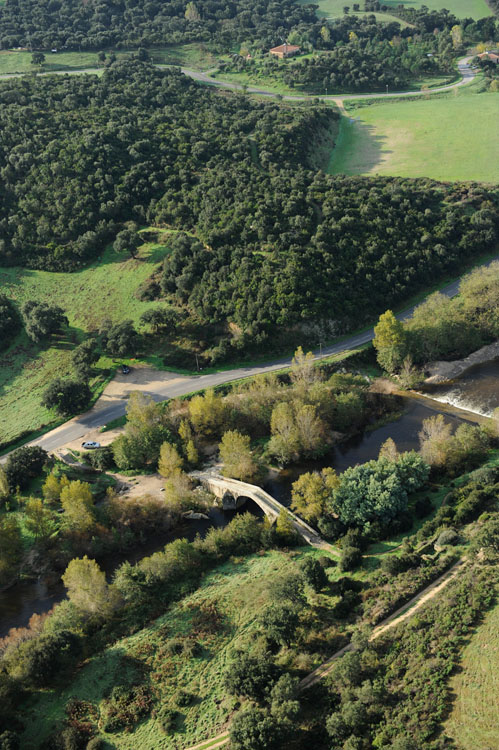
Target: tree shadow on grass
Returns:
[[359, 149]]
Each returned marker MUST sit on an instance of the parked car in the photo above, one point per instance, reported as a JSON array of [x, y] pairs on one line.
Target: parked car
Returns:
[[90, 444], [124, 369]]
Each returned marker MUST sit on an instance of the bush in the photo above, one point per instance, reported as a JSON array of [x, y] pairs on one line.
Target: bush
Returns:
[[67, 396], [182, 698], [24, 464], [351, 558], [314, 573], [167, 718], [95, 744], [101, 459], [448, 537]]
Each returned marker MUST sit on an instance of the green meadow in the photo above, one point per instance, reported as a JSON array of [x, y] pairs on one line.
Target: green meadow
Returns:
[[449, 137], [460, 8], [105, 289]]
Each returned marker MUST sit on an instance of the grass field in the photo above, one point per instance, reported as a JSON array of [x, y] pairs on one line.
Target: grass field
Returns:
[[221, 615], [188, 55], [106, 289], [474, 721], [460, 8], [446, 138]]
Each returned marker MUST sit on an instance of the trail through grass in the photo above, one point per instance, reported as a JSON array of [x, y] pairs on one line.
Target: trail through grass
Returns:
[[445, 138], [474, 721]]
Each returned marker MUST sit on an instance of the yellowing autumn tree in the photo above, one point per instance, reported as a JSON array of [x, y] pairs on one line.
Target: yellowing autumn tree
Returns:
[[237, 456], [87, 587], [170, 462], [390, 341]]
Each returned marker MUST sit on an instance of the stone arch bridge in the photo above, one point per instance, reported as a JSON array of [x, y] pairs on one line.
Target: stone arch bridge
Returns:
[[234, 494]]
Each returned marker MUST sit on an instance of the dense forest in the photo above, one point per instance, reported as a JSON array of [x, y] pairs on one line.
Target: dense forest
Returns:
[[70, 24], [276, 243]]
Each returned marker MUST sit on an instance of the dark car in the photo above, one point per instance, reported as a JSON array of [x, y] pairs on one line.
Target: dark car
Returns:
[[124, 369]]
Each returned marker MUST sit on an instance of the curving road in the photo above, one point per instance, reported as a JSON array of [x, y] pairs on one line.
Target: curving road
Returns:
[[465, 70], [179, 385]]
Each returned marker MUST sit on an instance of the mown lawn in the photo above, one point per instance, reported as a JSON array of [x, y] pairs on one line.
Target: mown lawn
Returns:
[[446, 138], [220, 616], [474, 721], [106, 289]]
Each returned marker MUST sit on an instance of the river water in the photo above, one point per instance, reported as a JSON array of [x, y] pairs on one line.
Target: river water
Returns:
[[478, 389]]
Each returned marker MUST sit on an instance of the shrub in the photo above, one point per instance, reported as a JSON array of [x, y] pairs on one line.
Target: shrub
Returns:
[[351, 558], [448, 537], [101, 459], [167, 718], [182, 698], [67, 396], [23, 464]]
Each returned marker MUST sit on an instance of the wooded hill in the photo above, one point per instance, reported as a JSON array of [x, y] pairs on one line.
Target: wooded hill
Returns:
[[277, 243]]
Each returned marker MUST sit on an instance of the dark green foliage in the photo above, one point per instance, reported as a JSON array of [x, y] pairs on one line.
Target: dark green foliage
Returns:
[[23, 464], [408, 692], [134, 136], [160, 318], [121, 339], [84, 356], [67, 396], [101, 459], [10, 322], [288, 586], [9, 741], [314, 573], [77, 26], [127, 240], [378, 490], [252, 676], [255, 729], [41, 319], [279, 622], [167, 718], [40, 661], [351, 558], [182, 698], [423, 507]]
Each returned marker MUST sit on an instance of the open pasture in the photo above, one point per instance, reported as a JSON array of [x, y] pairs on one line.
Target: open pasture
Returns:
[[445, 138], [461, 8]]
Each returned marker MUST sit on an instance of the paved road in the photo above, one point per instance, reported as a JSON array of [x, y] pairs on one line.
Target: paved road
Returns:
[[466, 72], [178, 386]]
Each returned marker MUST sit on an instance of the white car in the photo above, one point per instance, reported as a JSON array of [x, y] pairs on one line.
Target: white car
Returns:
[[90, 444]]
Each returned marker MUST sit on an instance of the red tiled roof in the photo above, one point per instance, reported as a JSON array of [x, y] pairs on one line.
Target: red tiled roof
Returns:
[[285, 48]]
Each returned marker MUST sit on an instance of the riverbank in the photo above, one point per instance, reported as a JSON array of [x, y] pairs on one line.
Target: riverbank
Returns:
[[443, 372]]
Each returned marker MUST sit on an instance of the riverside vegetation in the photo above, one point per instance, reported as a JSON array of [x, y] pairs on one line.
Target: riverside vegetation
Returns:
[[302, 613]]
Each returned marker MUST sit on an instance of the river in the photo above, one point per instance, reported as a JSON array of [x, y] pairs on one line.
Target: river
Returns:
[[477, 390], [18, 603]]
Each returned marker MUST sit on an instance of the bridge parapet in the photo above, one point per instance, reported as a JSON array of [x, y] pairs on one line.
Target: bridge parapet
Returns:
[[238, 492]]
